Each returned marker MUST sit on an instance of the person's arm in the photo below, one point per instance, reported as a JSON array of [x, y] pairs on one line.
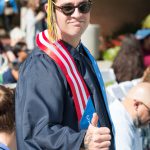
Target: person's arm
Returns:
[[15, 74], [39, 16], [40, 101]]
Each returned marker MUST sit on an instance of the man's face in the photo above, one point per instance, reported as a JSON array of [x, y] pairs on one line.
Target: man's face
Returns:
[[22, 56], [37, 3], [76, 23], [143, 115]]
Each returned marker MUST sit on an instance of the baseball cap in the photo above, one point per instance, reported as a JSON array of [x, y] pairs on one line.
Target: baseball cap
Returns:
[[142, 34]]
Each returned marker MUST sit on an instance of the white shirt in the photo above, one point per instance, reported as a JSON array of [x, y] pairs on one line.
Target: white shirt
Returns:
[[127, 136], [30, 28]]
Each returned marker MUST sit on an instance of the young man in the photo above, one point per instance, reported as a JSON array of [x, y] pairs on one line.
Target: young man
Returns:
[[60, 87], [7, 119], [130, 114]]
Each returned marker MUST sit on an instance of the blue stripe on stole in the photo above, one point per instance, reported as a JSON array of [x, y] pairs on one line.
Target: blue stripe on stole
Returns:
[[3, 147], [88, 114], [101, 83]]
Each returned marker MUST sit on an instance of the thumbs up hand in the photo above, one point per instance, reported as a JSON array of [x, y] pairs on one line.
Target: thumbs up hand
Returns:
[[94, 120], [97, 138]]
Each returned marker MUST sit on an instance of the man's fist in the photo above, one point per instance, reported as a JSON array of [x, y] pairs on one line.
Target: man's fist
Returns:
[[97, 138]]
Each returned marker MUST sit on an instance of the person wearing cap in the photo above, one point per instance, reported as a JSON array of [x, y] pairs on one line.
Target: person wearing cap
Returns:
[[143, 35], [60, 97], [131, 51], [129, 115]]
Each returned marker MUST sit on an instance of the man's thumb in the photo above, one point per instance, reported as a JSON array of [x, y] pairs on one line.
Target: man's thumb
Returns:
[[94, 120]]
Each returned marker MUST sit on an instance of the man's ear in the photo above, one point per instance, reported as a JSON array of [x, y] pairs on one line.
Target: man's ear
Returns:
[[136, 104], [46, 7]]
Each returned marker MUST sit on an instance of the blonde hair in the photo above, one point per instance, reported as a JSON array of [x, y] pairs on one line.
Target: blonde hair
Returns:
[[51, 21]]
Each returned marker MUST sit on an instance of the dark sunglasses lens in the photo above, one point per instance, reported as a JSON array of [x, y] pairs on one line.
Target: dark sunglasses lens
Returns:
[[85, 7], [68, 10]]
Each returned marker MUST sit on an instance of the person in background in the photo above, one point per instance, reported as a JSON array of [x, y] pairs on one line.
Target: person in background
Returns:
[[7, 119], [7, 9], [128, 64], [32, 18], [146, 130], [143, 35], [20, 51], [23, 11], [41, 24], [1, 53], [129, 115], [60, 97], [12, 73]]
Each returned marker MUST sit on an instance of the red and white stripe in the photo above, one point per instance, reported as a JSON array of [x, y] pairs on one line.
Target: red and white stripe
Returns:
[[60, 45], [60, 54]]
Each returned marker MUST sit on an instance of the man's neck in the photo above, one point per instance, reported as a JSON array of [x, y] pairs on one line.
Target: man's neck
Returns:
[[74, 42]]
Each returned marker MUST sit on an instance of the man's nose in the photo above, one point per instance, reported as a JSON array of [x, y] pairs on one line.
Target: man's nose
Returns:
[[76, 13]]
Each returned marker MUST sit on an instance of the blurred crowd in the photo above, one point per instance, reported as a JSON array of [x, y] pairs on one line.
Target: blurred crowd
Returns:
[[20, 39], [130, 51]]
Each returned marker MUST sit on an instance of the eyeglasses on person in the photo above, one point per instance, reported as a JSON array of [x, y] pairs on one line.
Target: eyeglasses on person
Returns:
[[68, 9], [148, 109]]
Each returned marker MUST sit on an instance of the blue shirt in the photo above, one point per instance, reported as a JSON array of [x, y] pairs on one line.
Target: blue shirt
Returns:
[[3, 147], [11, 2], [8, 77]]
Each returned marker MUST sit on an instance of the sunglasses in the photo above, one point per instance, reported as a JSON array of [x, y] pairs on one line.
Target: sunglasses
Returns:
[[68, 9], [147, 108]]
